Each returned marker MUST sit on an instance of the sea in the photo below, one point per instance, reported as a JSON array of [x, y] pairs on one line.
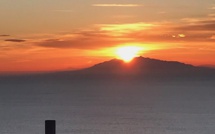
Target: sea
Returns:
[[107, 106]]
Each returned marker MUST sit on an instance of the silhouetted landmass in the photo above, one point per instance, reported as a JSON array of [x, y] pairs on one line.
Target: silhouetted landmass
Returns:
[[139, 67], [208, 66]]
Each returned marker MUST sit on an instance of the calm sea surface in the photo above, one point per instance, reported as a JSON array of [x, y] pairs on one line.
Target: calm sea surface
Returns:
[[107, 106]]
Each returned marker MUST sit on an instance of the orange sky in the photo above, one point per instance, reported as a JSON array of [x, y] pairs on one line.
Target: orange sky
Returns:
[[59, 36]]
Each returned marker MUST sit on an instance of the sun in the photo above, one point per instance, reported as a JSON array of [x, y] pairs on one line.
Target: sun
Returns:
[[127, 53]]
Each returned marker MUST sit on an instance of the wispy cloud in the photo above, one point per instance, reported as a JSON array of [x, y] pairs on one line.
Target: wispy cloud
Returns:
[[213, 8], [15, 40], [117, 5], [4, 35], [211, 15], [110, 35], [199, 25], [101, 36], [121, 29], [81, 40]]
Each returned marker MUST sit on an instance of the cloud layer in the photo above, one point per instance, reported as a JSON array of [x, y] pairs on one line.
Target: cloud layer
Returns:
[[109, 35], [99, 36], [4, 35], [15, 40]]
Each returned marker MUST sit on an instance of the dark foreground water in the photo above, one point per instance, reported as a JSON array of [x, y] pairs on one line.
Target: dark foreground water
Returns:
[[117, 106]]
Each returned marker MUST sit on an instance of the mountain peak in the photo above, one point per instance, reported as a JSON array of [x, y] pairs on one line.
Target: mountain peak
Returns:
[[140, 65]]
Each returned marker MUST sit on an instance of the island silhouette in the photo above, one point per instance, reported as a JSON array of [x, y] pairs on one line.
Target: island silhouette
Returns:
[[139, 67]]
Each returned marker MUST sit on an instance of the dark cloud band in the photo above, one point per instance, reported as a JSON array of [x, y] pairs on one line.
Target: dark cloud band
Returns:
[[15, 40]]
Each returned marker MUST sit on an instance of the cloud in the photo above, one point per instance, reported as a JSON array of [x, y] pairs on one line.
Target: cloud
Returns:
[[15, 40], [117, 5], [102, 36], [4, 35], [78, 44], [122, 29], [211, 15], [179, 36], [212, 8], [213, 37], [202, 25], [110, 35], [81, 40], [195, 29]]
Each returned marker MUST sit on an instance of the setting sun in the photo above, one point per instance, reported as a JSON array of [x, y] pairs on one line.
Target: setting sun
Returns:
[[127, 53]]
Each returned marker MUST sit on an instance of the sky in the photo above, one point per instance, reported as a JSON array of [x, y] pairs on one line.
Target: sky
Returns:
[[50, 35]]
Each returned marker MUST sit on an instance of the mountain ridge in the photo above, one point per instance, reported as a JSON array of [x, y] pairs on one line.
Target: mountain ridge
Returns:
[[140, 64], [138, 67]]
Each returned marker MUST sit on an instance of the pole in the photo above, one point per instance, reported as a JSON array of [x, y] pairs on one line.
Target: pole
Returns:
[[50, 127]]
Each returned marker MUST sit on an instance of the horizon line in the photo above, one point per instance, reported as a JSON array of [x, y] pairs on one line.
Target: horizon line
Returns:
[[9, 73]]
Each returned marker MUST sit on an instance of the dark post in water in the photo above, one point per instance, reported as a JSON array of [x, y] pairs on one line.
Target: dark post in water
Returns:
[[50, 127]]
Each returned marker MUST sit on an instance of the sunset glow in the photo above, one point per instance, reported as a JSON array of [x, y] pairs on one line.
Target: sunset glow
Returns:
[[127, 53], [78, 34], [107, 66]]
